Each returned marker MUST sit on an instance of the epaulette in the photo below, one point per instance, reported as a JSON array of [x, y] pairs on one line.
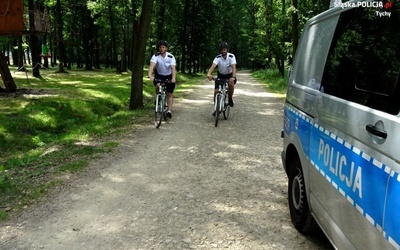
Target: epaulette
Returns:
[[218, 56], [158, 53], [230, 55], [170, 56]]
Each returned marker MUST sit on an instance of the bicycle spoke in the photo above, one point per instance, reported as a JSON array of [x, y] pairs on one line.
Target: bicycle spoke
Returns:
[[164, 111], [218, 101], [158, 113], [226, 108]]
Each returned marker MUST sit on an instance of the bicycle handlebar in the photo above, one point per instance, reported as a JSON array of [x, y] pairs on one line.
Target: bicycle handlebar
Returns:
[[162, 81], [219, 79]]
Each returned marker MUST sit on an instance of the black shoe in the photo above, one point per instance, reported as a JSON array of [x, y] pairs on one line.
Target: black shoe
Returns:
[[169, 115], [231, 102], [213, 114]]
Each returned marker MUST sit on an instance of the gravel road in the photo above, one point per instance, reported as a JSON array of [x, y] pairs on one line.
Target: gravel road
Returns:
[[186, 185]]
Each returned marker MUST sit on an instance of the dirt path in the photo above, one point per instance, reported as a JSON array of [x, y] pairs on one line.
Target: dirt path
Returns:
[[187, 185]]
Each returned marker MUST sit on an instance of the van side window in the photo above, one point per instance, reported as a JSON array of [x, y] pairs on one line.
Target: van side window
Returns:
[[364, 60], [310, 64]]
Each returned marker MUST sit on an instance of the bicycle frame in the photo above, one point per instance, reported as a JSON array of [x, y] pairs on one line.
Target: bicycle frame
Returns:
[[161, 102], [221, 104]]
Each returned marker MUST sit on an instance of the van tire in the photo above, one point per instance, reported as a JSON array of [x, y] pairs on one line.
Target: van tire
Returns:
[[300, 214]]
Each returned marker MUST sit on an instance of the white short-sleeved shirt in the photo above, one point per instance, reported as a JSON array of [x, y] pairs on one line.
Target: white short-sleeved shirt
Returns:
[[163, 64], [225, 66]]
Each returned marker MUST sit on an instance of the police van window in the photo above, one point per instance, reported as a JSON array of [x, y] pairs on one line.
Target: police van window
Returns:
[[364, 59], [309, 65]]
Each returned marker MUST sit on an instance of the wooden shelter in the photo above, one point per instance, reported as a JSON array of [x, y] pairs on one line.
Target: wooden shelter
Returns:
[[11, 23], [11, 17]]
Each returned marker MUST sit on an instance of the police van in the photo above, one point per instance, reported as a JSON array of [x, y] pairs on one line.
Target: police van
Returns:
[[341, 128]]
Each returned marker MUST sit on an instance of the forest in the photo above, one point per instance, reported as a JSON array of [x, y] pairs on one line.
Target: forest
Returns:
[[82, 55], [102, 33]]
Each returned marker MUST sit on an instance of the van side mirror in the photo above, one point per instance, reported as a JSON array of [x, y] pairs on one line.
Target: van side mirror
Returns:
[[289, 72]]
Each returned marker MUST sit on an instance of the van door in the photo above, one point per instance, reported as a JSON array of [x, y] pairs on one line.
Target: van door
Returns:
[[355, 139]]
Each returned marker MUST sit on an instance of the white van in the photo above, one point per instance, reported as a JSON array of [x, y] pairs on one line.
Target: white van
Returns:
[[341, 134]]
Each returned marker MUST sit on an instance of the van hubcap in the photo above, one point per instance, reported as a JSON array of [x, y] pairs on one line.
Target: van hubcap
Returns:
[[298, 192]]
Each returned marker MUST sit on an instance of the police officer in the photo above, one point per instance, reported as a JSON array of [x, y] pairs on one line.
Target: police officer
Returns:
[[165, 65], [226, 63]]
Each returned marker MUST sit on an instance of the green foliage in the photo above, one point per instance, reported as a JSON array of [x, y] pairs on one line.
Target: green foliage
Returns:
[[3, 215], [193, 29], [272, 79], [74, 166]]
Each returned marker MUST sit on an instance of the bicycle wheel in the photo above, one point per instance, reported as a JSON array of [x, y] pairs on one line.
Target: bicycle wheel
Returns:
[[158, 113], [226, 107], [218, 102]]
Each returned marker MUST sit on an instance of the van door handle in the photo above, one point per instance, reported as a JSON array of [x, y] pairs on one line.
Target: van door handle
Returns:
[[375, 131]]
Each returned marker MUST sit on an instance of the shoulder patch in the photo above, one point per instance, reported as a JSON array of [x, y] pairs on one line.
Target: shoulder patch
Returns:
[[170, 56], [230, 55]]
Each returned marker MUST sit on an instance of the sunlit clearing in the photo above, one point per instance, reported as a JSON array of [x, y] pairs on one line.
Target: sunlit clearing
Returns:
[[261, 94], [115, 178], [50, 150], [86, 143], [38, 141], [12, 108], [147, 94], [44, 119], [139, 176], [195, 101], [236, 146], [4, 133], [33, 96], [70, 82], [230, 208], [77, 137], [269, 112], [189, 149], [222, 154], [100, 94], [207, 86]]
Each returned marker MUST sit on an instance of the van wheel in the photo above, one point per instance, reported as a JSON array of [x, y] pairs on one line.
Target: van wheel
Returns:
[[298, 204]]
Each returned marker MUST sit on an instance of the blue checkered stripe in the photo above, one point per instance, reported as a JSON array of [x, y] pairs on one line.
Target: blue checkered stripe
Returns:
[[357, 176]]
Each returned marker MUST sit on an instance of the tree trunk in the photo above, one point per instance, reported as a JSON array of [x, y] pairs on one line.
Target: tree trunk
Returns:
[[60, 40], [295, 26], [33, 41], [131, 52], [115, 55], [184, 36], [87, 26], [161, 20], [20, 55], [142, 31], [6, 76]]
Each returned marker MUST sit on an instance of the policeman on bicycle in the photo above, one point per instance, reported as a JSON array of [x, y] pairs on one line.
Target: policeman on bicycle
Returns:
[[165, 65], [226, 63]]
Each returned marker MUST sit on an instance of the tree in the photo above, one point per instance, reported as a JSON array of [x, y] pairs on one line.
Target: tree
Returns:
[[261, 33], [33, 40], [141, 35], [116, 56], [295, 26], [60, 40], [6, 76]]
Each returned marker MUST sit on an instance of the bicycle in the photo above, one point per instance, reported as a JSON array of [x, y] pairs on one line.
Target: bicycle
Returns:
[[221, 104], [160, 111]]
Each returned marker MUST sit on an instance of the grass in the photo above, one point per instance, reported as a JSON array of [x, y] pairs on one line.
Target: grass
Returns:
[[273, 80], [57, 124]]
